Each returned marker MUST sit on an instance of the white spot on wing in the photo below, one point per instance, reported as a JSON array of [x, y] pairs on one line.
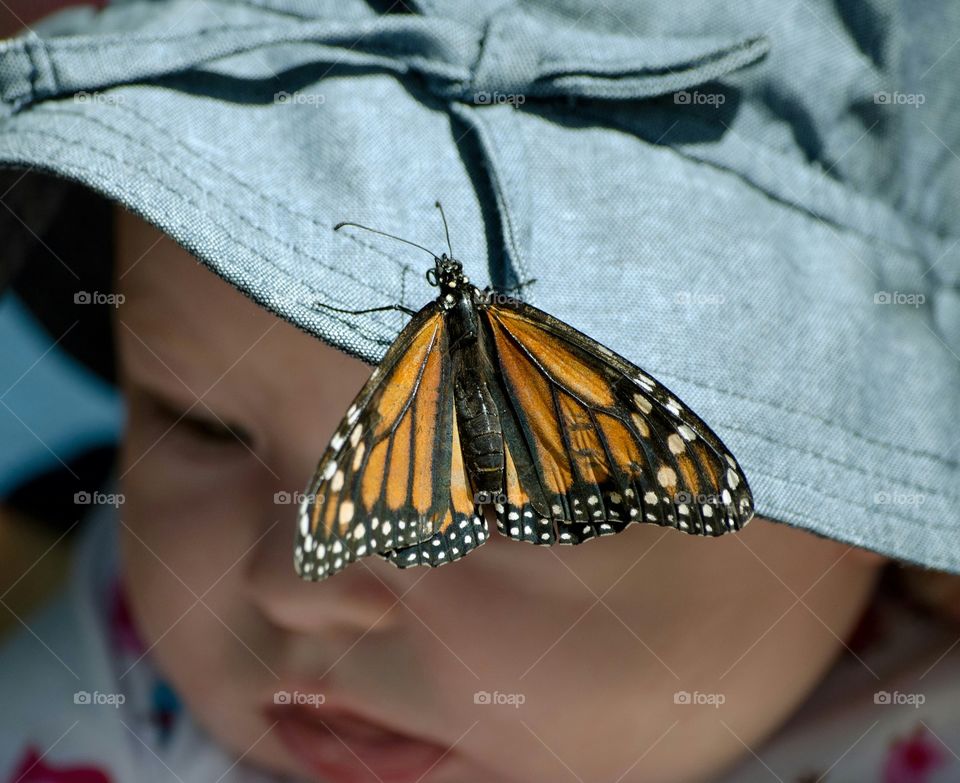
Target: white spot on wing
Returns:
[[358, 457], [666, 476], [355, 435], [642, 403]]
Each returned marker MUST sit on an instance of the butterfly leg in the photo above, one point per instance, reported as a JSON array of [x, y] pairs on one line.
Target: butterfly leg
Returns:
[[399, 307]]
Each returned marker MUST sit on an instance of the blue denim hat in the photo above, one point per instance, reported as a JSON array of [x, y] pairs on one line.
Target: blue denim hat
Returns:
[[756, 204]]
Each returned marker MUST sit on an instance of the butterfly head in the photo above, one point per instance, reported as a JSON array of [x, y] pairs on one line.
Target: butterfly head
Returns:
[[447, 274]]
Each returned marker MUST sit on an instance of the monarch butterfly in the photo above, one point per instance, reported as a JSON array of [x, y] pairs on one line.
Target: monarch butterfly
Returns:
[[483, 398]]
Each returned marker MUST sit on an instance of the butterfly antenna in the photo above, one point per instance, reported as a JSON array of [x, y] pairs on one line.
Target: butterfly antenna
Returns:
[[445, 229], [385, 234]]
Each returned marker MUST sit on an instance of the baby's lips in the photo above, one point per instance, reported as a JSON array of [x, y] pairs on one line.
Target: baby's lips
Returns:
[[347, 746]]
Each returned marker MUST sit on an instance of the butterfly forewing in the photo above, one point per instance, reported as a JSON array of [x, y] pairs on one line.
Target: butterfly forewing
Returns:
[[384, 483], [601, 443]]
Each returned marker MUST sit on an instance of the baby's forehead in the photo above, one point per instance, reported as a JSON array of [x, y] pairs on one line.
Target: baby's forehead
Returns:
[[166, 295], [150, 264], [178, 318]]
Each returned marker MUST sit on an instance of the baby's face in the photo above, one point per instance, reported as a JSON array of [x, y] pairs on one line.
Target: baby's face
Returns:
[[518, 663]]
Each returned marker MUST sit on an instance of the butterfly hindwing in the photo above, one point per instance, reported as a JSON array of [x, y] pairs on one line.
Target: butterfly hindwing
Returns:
[[605, 443], [387, 482], [461, 529]]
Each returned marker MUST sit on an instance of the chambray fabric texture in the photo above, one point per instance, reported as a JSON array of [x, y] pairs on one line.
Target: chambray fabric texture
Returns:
[[748, 200]]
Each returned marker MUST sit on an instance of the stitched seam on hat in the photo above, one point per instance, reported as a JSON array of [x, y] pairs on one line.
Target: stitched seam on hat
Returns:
[[843, 464], [162, 156], [402, 265], [238, 181], [817, 525], [939, 458], [353, 326], [921, 523]]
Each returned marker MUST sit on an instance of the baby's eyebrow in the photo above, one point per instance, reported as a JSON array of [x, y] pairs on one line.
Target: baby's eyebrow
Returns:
[[171, 366]]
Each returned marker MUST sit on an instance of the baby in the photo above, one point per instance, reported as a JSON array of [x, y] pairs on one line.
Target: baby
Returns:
[[649, 656]]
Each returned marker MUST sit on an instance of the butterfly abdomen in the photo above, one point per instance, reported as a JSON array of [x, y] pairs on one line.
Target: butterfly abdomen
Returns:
[[479, 425]]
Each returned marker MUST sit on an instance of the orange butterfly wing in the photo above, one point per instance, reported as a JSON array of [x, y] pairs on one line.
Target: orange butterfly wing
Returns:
[[392, 480], [593, 443]]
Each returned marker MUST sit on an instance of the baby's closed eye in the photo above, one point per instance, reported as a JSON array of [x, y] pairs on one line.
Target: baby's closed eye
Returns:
[[197, 423]]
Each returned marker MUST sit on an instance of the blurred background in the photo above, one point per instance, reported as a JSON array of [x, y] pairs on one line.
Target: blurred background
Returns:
[[59, 414]]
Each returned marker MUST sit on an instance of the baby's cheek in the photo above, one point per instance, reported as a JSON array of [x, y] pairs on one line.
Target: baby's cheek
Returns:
[[185, 525], [189, 519], [611, 656], [202, 642], [182, 550]]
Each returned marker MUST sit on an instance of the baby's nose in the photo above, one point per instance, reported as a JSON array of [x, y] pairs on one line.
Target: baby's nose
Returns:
[[367, 594]]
